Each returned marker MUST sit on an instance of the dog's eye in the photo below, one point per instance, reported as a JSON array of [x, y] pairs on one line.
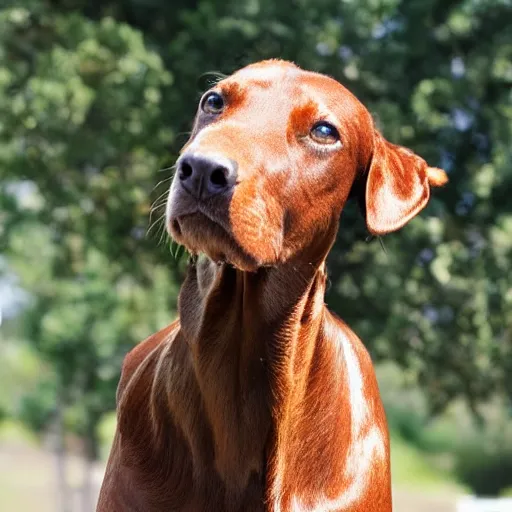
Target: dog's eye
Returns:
[[213, 103], [324, 133]]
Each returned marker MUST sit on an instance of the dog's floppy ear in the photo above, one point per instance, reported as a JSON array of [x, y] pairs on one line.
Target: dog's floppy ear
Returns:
[[397, 186]]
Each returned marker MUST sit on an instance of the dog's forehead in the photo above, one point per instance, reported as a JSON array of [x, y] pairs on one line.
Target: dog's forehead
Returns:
[[289, 81], [269, 71]]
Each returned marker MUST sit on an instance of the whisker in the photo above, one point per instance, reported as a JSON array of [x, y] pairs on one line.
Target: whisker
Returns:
[[381, 240], [161, 196], [161, 219], [155, 207], [163, 234], [215, 77], [167, 168], [369, 238], [162, 181], [159, 203], [177, 250]]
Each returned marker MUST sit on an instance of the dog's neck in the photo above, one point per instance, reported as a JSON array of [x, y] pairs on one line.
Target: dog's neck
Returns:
[[252, 337]]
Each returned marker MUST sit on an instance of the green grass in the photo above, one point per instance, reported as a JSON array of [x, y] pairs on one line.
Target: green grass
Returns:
[[13, 432], [412, 469]]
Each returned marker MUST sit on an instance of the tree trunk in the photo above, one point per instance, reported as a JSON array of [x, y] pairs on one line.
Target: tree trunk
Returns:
[[91, 455], [59, 449], [87, 486]]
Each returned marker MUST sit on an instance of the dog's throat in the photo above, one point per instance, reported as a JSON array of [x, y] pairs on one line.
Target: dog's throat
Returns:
[[220, 298], [244, 330]]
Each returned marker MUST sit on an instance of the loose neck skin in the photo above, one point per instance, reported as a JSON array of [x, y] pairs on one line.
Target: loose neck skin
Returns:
[[253, 338]]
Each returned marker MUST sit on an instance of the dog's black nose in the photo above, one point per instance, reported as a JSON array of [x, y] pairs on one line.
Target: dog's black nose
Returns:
[[203, 177]]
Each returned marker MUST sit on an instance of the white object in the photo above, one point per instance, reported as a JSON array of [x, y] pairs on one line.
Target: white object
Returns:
[[474, 504]]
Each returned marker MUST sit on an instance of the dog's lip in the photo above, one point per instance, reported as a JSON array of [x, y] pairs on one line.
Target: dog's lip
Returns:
[[176, 222], [248, 261], [188, 215], [200, 209]]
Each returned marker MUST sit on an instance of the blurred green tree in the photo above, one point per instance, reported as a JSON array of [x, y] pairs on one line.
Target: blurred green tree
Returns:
[[80, 143]]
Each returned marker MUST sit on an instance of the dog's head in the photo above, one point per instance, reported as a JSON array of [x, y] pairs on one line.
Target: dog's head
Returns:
[[272, 158]]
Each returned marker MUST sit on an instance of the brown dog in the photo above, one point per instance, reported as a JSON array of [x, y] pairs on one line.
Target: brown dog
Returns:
[[258, 398]]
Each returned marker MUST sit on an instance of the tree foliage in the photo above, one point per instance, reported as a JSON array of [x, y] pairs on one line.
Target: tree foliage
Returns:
[[81, 141]]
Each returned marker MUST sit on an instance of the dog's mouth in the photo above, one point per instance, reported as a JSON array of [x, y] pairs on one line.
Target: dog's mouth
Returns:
[[200, 233]]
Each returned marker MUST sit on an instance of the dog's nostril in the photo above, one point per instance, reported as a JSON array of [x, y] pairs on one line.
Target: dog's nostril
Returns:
[[218, 177], [185, 171]]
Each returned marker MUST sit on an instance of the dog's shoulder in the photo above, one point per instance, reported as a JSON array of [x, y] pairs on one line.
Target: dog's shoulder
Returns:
[[138, 357], [340, 333]]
